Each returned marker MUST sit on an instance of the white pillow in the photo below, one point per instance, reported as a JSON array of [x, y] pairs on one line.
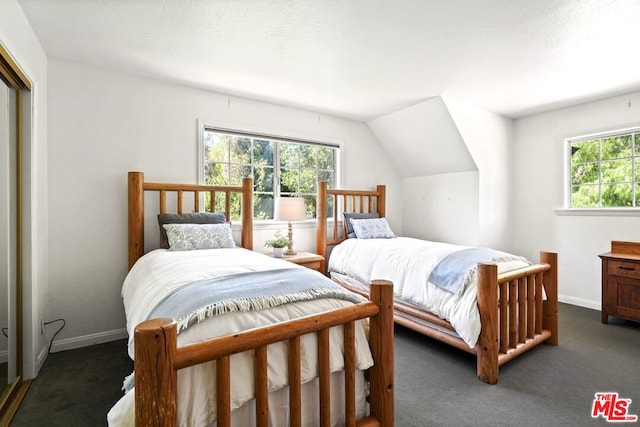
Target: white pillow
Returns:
[[374, 228], [188, 237]]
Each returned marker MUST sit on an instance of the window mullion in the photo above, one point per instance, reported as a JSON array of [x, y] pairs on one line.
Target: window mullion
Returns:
[[252, 160], [633, 170], [600, 171], [229, 162], [276, 169]]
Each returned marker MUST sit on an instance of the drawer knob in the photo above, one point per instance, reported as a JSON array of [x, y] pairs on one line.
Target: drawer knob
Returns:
[[626, 268]]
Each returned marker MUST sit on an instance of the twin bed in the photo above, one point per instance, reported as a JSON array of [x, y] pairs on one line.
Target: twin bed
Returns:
[[297, 360], [302, 361], [508, 307]]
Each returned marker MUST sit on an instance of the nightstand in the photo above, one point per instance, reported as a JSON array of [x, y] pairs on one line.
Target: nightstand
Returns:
[[621, 281], [306, 259]]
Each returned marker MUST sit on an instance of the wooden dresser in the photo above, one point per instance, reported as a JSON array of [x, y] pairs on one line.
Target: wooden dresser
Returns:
[[621, 281]]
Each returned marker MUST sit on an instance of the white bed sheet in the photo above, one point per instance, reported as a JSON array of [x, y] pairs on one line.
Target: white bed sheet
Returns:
[[161, 272], [407, 262]]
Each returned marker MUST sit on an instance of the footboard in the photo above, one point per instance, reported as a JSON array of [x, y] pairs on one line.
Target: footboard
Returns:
[[157, 360], [515, 312]]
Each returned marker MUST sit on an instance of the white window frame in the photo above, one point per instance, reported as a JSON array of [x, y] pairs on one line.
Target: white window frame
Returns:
[[268, 134], [596, 211]]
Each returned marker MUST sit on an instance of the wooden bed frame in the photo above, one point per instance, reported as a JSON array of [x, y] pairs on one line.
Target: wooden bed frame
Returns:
[[157, 357], [513, 315]]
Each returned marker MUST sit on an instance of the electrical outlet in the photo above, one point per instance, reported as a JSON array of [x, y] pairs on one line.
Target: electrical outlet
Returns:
[[41, 326]]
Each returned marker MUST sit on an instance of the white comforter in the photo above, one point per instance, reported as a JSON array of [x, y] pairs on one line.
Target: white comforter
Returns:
[[407, 262], [160, 272]]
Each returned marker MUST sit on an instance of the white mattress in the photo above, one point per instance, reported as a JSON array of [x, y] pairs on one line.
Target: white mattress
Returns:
[[160, 272]]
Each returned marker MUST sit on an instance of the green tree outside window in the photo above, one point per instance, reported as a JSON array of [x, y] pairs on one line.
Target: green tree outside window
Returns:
[[278, 167], [605, 171]]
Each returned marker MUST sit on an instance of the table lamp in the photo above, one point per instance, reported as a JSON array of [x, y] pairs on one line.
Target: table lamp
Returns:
[[290, 209]]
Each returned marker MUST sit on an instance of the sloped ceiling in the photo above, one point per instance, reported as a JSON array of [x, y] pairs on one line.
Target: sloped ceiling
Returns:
[[423, 140]]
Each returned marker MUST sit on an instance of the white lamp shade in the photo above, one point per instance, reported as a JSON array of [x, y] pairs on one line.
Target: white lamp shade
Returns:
[[289, 209]]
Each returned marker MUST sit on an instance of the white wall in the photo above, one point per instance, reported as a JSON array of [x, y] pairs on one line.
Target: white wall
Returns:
[[488, 139], [538, 189], [103, 124], [484, 191], [18, 38], [442, 208]]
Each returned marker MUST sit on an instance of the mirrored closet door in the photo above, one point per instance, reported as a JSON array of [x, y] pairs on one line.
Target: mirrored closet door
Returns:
[[12, 86], [7, 234]]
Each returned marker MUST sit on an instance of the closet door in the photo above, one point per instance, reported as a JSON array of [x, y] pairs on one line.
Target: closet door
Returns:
[[13, 85], [7, 165]]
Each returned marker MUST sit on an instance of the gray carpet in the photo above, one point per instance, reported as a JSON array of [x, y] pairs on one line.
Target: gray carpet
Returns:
[[76, 387], [548, 386], [436, 385]]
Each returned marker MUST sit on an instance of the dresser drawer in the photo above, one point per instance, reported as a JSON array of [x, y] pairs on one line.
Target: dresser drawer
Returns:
[[623, 268]]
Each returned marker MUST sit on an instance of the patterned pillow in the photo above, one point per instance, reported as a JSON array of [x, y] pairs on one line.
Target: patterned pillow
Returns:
[[356, 215], [187, 218], [374, 228], [188, 237]]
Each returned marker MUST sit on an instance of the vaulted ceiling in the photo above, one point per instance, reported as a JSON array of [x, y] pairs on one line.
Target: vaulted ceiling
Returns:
[[359, 59]]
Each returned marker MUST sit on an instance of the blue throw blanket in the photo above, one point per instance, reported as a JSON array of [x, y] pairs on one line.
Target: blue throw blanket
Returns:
[[257, 290], [455, 270], [254, 290]]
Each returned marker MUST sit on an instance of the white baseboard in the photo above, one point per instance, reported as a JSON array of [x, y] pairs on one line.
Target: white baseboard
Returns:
[[42, 356], [87, 340], [581, 302], [79, 342]]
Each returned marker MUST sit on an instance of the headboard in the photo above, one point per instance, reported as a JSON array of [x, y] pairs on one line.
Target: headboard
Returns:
[[361, 201], [137, 188]]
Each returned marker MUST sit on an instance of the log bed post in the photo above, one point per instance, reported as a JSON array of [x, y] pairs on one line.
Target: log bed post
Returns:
[[487, 347], [321, 229], [136, 216], [156, 378], [550, 305], [381, 342], [246, 238], [382, 200]]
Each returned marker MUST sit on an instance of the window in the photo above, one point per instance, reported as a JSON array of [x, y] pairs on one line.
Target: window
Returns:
[[605, 170], [278, 166]]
